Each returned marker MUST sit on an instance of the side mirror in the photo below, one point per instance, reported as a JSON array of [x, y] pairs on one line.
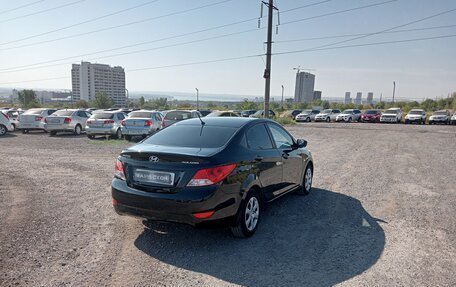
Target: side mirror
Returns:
[[301, 143]]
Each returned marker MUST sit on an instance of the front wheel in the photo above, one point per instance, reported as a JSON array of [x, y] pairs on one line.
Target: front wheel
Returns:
[[308, 120], [328, 119], [77, 130], [349, 120], [118, 134], [2, 130], [307, 181], [249, 216]]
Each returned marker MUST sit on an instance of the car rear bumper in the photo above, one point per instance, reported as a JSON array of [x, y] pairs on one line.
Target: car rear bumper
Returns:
[[58, 128], [100, 131], [31, 126], [135, 131], [177, 207], [388, 120]]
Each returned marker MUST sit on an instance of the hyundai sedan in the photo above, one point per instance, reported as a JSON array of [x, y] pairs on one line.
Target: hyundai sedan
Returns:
[[211, 171]]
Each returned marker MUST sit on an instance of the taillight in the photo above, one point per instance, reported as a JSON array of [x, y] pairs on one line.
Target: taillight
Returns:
[[67, 120], [147, 123], [211, 175], [119, 171], [38, 118], [108, 122], [88, 122], [122, 122]]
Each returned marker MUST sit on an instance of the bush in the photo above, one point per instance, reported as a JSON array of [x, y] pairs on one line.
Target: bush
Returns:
[[284, 120]]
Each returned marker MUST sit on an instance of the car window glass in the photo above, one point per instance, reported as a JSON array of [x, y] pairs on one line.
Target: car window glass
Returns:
[[120, 116], [281, 138], [88, 115], [50, 112], [258, 138]]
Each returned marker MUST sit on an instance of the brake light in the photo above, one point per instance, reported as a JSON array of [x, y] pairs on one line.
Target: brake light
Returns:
[[147, 123], [213, 175], [204, 215], [108, 122], [38, 118], [67, 120], [119, 170], [122, 122]]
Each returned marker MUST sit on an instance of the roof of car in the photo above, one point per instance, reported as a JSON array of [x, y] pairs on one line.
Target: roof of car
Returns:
[[234, 122]]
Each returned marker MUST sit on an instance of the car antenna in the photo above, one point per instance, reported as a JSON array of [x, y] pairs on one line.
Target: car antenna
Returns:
[[199, 117]]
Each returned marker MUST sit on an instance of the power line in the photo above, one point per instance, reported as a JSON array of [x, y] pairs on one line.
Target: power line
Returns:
[[80, 23], [196, 32], [42, 11], [362, 34], [36, 80], [20, 7]]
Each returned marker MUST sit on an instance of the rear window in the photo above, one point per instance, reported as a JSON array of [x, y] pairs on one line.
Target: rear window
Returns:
[[103, 116], [178, 115], [33, 112], [63, 113], [193, 136], [140, 115]]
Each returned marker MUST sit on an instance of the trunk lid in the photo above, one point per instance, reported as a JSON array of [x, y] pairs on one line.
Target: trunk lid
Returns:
[[137, 122]]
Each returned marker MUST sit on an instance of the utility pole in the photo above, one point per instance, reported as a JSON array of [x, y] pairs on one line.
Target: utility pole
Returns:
[[282, 99], [267, 71], [394, 89], [197, 99]]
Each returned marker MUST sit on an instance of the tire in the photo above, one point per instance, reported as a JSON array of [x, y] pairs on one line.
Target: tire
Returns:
[[328, 119], [14, 127], [128, 138], [350, 120], [52, 134], [248, 216], [118, 134], [308, 120], [77, 130], [306, 181], [3, 130]]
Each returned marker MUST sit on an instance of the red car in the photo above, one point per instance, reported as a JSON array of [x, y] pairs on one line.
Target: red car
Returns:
[[372, 116]]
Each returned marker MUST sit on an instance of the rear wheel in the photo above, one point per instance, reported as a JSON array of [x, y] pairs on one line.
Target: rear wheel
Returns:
[[118, 134], [2, 130], [249, 216], [77, 130], [306, 182], [128, 138]]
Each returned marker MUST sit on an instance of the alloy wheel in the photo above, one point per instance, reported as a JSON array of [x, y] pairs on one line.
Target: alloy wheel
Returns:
[[252, 212], [308, 179], [2, 130]]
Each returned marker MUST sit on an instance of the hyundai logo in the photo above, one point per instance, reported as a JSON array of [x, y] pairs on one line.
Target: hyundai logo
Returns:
[[154, 158]]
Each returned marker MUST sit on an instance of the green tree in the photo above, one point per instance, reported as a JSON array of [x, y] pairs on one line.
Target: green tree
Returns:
[[81, 104], [247, 105], [326, 105], [102, 101], [141, 102], [27, 98]]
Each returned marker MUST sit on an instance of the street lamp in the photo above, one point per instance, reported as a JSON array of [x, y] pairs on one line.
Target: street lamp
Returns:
[[197, 99], [282, 98], [394, 89]]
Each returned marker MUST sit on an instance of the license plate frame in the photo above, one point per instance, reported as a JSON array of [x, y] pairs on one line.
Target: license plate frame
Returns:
[[153, 177]]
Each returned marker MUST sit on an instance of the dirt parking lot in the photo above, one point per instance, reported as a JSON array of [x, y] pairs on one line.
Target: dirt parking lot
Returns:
[[382, 213]]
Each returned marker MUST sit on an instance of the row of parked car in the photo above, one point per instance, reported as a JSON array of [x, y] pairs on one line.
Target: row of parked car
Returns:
[[393, 115]]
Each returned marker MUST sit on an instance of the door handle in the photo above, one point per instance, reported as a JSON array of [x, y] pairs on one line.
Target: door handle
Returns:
[[258, 158]]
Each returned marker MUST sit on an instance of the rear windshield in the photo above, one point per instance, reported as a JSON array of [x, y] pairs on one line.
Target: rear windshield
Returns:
[[103, 116], [33, 112], [371, 112], [140, 115], [178, 115], [63, 113], [192, 136]]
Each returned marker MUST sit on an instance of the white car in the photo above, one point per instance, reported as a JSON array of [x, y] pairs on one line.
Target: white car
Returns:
[[72, 120], [307, 115], [453, 119], [416, 116], [350, 115], [5, 124], [440, 117], [33, 119], [393, 115], [327, 115]]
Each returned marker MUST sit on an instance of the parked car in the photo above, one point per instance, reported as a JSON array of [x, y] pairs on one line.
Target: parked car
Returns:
[[416, 116], [141, 123], [107, 123], [33, 119], [453, 119], [393, 115], [221, 172], [260, 114], [5, 124], [247, 113], [68, 120], [204, 112], [327, 115], [440, 117], [349, 116], [175, 116], [291, 114], [223, 114], [13, 116], [372, 116], [307, 115]]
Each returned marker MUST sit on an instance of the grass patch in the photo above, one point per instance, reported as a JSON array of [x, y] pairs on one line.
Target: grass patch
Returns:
[[284, 120]]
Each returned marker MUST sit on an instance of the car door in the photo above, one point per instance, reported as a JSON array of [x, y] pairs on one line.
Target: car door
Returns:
[[291, 157], [267, 160], [82, 119]]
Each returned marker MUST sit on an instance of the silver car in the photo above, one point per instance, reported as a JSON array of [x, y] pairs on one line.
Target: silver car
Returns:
[[141, 123], [327, 115], [440, 117], [13, 115], [72, 120], [307, 115], [105, 123], [350, 115], [33, 119], [5, 124]]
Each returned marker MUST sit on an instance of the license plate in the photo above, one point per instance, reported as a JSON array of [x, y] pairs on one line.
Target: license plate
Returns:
[[152, 176], [54, 121]]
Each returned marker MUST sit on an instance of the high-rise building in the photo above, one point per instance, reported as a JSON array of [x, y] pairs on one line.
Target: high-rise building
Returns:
[[358, 98], [347, 98], [304, 89], [317, 95], [370, 98], [89, 79]]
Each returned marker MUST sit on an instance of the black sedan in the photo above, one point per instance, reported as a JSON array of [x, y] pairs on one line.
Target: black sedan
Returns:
[[211, 171]]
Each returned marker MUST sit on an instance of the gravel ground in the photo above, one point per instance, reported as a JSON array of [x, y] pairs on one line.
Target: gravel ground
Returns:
[[382, 213]]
